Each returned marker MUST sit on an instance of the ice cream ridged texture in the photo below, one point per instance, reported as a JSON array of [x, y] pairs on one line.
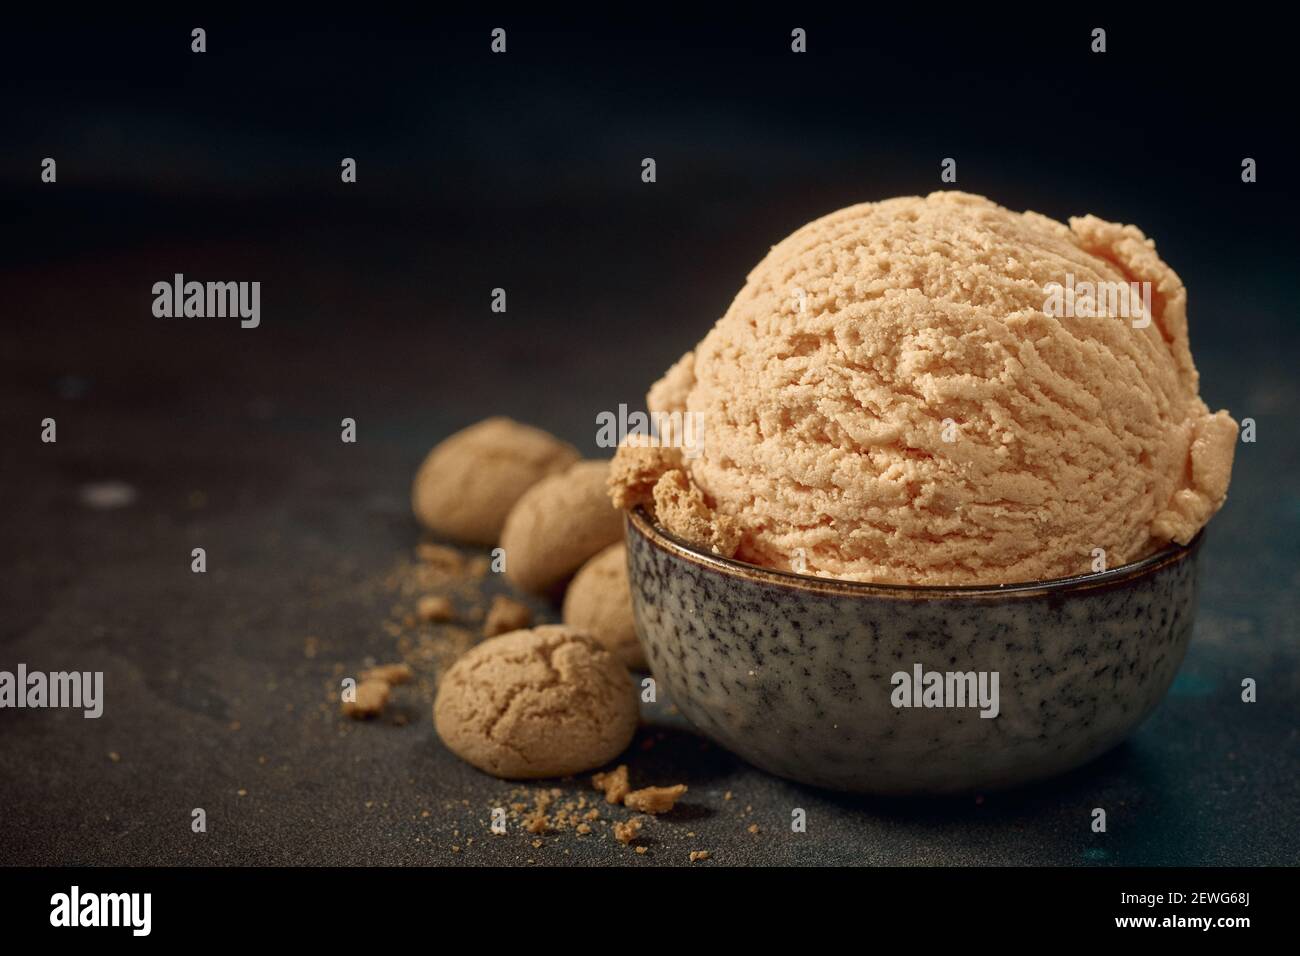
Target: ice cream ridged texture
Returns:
[[868, 337]]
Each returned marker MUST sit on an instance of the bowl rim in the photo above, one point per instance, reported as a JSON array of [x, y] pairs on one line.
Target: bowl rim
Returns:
[[659, 536]]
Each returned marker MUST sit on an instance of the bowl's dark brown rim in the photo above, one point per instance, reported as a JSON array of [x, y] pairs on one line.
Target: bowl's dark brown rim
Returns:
[[1124, 574]]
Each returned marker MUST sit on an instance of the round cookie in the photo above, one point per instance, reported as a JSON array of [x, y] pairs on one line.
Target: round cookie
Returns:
[[558, 524], [470, 481], [547, 702], [599, 601]]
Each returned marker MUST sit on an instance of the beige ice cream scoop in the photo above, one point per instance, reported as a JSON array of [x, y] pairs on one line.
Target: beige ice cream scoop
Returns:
[[920, 391]]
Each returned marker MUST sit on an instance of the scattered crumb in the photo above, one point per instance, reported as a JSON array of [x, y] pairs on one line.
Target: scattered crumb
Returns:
[[114, 756], [699, 855], [583, 828], [242, 792], [440, 556], [628, 831], [435, 607], [614, 784], [641, 850], [390, 674], [371, 698], [727, 795], [753, 828], [505, 615], [654, 799], [538, 819], [537, 844]]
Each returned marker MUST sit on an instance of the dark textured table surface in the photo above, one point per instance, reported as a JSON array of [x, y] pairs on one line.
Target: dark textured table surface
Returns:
[[213, 701], [523, 173]]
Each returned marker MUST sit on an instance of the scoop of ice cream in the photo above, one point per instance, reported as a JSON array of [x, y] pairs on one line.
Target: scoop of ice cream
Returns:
[[895, 396]]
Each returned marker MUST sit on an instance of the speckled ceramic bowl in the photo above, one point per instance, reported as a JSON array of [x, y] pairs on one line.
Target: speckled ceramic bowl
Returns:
[[796, 674]]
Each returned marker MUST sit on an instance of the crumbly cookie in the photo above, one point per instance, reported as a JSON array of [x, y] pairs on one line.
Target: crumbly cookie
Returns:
[[680, 507], [599, 601], [470, 481], [548, 702], [636, 468], [558, 524]]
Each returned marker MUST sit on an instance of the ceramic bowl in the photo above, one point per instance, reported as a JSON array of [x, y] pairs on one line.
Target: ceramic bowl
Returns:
[[805, 677]]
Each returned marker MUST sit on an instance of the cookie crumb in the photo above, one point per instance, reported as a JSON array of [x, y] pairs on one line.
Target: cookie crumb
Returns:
[[440, 556], [434, 607], [641, 850], [371, 698], [391, 674], [654, 799], [680, 507], [614, 784], [636, 468], [505, 615], [699, 855], [753, 828], [627, 831]]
